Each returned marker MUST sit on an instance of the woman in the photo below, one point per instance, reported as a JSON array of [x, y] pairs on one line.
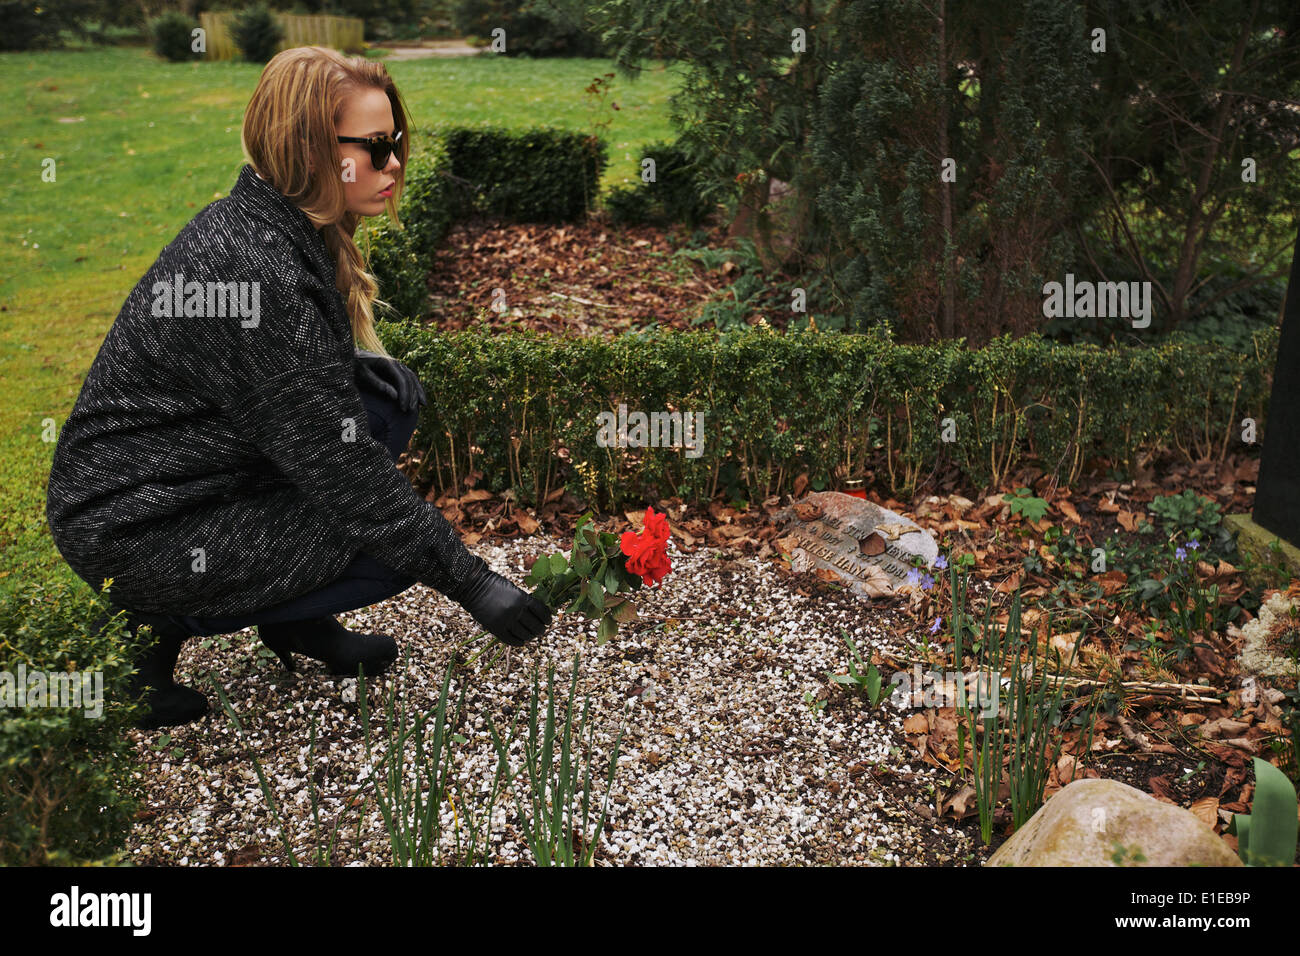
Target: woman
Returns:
[[230, 458]]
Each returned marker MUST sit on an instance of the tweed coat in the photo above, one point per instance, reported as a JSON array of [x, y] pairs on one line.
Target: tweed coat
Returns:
[[218, 458]]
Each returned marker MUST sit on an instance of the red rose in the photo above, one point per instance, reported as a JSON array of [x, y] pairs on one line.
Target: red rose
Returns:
[[647, 552]]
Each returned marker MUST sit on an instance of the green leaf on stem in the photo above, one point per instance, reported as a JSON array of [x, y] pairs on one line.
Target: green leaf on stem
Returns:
[[607, 629]]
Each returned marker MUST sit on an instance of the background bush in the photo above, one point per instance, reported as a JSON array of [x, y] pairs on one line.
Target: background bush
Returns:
[[172, 39], [676, 195], [257, 33], [532, 27]]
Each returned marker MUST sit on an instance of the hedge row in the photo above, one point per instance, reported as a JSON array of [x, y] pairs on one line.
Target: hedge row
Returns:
[[523, 408], [536, 175]]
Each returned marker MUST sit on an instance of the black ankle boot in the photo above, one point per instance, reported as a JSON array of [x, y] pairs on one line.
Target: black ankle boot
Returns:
[[167, 702], [326, 640]]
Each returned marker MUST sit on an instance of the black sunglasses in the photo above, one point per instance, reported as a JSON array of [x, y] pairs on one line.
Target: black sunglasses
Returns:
[[381, 147]]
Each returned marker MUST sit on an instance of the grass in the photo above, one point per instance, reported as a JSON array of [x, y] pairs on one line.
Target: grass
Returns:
[[140, 146]]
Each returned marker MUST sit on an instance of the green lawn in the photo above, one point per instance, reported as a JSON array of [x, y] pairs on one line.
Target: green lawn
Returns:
[[140, 146]]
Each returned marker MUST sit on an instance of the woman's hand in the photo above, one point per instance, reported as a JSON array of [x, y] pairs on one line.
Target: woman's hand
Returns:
[[391, 378], [502, 608]]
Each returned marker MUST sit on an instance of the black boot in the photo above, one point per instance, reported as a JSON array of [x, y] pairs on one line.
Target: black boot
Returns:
[[326, 640], [167, 702]]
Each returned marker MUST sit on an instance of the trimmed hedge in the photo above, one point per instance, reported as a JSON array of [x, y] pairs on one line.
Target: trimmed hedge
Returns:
[[778, 405], [537, 175], [67, 792], [398, 255], [552, 166]]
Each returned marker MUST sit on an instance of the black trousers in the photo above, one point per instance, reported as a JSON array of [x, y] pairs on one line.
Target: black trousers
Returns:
[[363, 582]]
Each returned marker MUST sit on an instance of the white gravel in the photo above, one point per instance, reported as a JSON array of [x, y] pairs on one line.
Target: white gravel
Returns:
[[722, 760]]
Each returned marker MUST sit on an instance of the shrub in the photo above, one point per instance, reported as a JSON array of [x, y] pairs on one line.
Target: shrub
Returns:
[[676, 188], [430, 201], [257, 33], [172, 38], [537, 175], [399, 256], [401, 273], [632, 203], [36, 24], [67, 794], [673, 196], [535, 29], [777, 406]]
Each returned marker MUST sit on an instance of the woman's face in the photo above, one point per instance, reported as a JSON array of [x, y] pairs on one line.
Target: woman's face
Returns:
[[366, 113]]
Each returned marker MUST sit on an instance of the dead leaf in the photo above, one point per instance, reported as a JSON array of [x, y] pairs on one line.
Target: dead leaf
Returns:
[[1111, 581], [1223, 727], [1069, 511], [1011, 583], [1066, 645], [959, 804], [1206, 810], [916, 724], [527, 523], [1243, 743], [960, 505], [892, 529], [872, 544], [807, 511]]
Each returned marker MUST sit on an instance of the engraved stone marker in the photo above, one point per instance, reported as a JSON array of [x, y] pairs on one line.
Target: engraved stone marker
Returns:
[[869, 547]]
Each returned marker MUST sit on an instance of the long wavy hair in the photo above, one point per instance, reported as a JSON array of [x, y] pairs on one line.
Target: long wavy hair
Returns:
[[290, 120]]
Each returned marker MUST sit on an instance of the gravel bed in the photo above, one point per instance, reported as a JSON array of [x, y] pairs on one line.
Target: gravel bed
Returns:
[[722, 760]]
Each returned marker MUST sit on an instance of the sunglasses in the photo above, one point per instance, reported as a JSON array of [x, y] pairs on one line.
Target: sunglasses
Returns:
[[381, 147]]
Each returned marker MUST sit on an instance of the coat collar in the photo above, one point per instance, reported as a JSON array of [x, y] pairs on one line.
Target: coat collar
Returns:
[[267, 203]]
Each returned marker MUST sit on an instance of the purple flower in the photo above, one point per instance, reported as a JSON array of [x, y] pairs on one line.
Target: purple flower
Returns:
[[927, 582], [913, 576], [941, 562], [1180, 553], [934, 628], [1193, 544]]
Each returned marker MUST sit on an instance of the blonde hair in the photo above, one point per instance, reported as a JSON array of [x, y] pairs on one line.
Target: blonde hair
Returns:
[[289, 125]]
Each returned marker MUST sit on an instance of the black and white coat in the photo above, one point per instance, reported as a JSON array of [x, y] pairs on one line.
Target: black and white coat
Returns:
[[216, 465]]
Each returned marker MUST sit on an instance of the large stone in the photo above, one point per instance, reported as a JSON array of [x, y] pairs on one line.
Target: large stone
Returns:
[[868, 547], [1097, 822]]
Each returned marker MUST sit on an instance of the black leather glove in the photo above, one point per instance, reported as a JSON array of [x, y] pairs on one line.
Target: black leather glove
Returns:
[[391, 378], [503, 609]]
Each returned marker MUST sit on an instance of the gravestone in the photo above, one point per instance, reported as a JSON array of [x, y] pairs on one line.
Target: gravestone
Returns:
[[1277, 493], [868, 547]]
